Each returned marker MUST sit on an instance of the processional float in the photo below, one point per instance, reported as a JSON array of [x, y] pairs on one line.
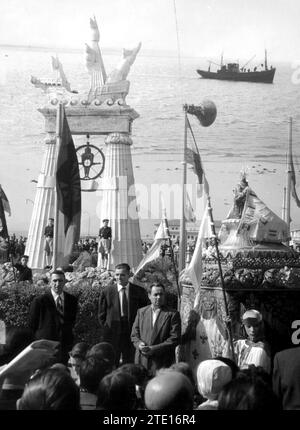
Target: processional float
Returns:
[[255, 267]]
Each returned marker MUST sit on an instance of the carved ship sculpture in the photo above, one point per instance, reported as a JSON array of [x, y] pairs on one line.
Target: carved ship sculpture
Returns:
[[104, 89]]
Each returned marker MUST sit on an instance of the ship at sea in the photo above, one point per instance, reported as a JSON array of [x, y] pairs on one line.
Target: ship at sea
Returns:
[[233, 72]]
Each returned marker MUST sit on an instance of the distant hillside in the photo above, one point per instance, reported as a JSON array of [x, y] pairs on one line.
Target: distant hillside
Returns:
[[105, 50]]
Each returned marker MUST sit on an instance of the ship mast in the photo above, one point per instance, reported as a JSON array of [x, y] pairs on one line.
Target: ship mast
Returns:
[[266, 61]]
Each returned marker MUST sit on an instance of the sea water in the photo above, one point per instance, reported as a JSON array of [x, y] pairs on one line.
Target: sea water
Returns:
[[250, 131]]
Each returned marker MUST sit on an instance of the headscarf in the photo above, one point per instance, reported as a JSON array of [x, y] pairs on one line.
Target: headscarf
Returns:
[[212, 375]]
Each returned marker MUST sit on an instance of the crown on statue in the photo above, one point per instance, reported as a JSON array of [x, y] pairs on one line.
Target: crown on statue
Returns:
[[243, 176]]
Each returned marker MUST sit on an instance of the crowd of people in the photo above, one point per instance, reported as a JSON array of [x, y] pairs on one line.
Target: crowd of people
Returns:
[[134, 366], [12, 252], [89, 244], [12, 248]]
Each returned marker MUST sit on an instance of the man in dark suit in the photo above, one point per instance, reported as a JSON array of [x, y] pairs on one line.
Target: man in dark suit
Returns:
[[156, 332], [52, 315], [286, 377], [24, 272], [118, 305]]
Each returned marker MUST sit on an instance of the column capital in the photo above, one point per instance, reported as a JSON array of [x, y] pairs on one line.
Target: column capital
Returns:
[[121, 138]]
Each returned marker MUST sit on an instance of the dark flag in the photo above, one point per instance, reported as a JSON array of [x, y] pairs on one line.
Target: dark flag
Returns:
[[293, 182], [193, 157], [68, 196], [3, 225], [5, 202]]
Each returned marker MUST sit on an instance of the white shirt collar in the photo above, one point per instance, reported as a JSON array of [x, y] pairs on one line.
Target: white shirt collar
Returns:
[[121, 286], [55, 296], [155, 314]]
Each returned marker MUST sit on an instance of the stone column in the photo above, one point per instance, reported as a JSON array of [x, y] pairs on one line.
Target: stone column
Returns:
[[119, 202], [43, 207]]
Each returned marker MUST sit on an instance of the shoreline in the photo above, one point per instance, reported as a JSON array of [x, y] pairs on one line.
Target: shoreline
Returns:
[[267, 179]]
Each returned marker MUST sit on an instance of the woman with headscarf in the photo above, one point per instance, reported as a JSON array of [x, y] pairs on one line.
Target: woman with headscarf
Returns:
[[212, 376]]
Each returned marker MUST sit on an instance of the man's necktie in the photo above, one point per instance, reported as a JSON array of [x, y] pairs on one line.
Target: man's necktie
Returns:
[[154, 316], [60, 309], [124, 307]]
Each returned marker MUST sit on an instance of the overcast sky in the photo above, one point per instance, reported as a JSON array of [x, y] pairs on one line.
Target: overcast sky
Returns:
[[241, 28]]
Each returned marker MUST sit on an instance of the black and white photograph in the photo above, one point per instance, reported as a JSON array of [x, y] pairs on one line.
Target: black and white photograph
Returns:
[[149, 207]]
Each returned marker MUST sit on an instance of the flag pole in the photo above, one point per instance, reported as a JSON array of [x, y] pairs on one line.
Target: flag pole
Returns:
[[228, 321], [173, 262], [59, 130], [283, 216], [182, 237], [289, 179], [13, 267]]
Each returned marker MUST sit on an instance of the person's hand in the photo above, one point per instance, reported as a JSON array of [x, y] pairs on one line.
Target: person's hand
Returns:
[[141, 345], [227, 320], [146, 350]]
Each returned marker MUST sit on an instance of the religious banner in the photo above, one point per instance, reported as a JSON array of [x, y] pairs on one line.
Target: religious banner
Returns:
[[204, 333]]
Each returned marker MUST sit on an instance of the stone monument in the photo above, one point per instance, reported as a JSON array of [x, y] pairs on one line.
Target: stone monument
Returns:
[[103, 111]]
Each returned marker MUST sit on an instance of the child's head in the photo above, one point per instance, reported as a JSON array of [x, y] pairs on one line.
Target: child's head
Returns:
[[253, 324]]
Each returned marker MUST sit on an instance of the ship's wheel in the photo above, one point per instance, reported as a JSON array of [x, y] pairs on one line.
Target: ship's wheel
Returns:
[[91, 161]]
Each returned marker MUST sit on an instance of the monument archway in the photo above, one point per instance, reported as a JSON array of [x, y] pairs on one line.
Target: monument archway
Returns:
[[102, 112]]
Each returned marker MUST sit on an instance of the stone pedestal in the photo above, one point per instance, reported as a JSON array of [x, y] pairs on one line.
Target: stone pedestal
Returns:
[[119, 202]]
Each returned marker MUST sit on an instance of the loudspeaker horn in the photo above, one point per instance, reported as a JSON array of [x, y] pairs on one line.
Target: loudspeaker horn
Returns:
[[206, 112]]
